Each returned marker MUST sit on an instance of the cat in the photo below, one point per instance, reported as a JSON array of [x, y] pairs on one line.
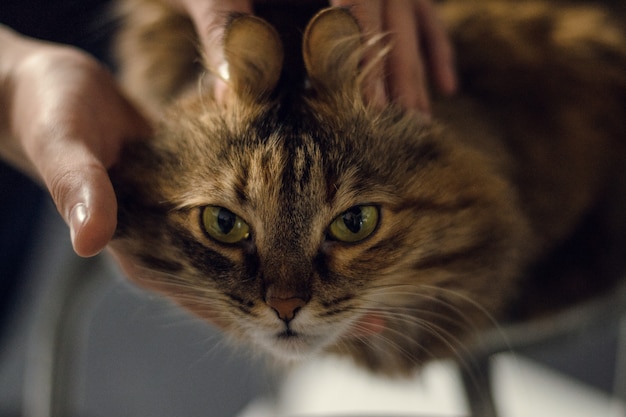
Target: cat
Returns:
[[301, 220]]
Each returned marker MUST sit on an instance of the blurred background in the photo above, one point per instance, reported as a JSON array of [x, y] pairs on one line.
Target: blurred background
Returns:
[[130, 353]]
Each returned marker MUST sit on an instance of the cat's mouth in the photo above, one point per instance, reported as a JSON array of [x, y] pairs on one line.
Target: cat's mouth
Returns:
[[296, 345], [295, 341], [287, 334], [292, 345]]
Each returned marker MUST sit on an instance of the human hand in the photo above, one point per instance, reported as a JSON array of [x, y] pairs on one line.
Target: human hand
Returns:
[[420, 49], [65, 123]]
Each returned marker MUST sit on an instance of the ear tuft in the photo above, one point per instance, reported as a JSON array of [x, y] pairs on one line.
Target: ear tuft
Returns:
[[254, 54], [332, 51]]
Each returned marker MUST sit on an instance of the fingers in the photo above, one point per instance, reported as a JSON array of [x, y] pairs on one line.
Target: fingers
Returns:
[[73, 167], [419, 51], [439, 47], [79, 183], [369, 14], [407, 76], [84, 196], [419, 47], [209, 18]]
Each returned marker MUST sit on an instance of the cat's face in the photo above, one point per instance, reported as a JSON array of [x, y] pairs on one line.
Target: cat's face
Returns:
[[348, 233], [318, 225]]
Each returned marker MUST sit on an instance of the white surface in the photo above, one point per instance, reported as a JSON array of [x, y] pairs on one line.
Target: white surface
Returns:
[[522, 389]]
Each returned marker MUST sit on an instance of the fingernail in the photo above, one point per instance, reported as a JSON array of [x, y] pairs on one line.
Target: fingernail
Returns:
[[77, 218]]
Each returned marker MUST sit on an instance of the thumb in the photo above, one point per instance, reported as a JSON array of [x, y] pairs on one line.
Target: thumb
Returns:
[[85, 198]]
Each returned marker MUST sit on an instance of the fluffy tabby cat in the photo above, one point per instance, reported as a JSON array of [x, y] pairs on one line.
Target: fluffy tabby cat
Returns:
[[299, 219]]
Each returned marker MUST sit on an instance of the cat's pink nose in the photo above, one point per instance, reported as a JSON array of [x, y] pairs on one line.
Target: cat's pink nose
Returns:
[[286, 308]]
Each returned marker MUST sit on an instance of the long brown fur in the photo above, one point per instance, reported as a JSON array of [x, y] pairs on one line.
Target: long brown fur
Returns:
[[471, 205]]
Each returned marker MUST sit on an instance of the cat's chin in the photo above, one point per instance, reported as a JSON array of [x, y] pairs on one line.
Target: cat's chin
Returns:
[[291, 346], [298, 343], [295, 346]]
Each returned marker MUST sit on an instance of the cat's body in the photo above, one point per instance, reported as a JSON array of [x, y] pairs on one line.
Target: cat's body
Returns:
[[451, 216]]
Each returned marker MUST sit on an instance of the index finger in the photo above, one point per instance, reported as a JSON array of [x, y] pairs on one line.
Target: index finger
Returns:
[[209, 19]]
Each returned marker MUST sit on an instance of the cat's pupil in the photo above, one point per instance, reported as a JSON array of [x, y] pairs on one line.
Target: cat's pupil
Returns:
[[226, 221], [353, 219]]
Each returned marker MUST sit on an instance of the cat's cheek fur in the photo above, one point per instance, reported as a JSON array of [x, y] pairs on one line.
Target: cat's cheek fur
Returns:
[[133, 270], [370, 324], [148, 279]]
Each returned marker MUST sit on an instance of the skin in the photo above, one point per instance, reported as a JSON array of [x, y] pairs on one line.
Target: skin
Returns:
[[63, 120]]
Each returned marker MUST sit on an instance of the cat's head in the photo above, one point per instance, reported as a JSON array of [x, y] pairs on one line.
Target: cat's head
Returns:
[[312, 222]]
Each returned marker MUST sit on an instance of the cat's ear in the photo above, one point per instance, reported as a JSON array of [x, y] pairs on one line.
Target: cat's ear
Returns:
[[254, 54], [332, 50]]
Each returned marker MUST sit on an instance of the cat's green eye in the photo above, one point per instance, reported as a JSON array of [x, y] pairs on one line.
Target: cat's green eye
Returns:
[[354, 224], [223, 225]]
